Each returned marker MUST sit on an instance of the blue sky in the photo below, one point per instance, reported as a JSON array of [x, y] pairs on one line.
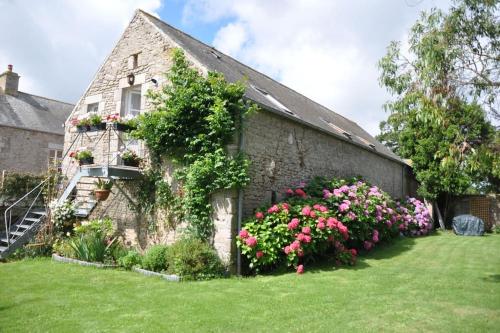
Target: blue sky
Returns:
[[324, 49]]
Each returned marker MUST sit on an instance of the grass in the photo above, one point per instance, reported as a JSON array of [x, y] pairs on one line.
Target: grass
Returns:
[[437, 283]]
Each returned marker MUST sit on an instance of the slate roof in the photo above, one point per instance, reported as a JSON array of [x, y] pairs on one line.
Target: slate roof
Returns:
[[297, 107], [33, 112]]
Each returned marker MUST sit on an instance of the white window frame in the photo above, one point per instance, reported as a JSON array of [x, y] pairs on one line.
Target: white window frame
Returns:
[[127, 107], [90, 105]]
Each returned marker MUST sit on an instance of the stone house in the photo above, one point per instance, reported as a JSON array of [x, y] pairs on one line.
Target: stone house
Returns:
[[291, 139], [31, 128]]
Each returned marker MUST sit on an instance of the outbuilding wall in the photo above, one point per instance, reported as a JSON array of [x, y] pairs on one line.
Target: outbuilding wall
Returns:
[[26, 151], [285, 153]]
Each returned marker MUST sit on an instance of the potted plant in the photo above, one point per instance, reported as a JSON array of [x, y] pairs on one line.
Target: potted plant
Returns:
[[83, 156], [123, 124], [96, 123], [103, 188], [82, 123], [130, 158]]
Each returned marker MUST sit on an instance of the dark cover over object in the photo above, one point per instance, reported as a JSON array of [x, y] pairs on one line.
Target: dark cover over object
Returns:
[[468, 225]]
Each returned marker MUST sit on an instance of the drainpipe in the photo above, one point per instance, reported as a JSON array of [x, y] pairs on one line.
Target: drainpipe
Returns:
[[240, 201]]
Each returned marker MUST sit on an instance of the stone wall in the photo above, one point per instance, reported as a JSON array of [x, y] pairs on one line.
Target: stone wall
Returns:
[[154, 60], [26, 151], [285, 153]]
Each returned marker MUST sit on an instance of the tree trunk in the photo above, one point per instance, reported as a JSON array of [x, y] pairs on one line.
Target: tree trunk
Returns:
[[440, 218]]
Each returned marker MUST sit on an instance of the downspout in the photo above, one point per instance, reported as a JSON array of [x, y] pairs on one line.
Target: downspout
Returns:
[[240, 200]]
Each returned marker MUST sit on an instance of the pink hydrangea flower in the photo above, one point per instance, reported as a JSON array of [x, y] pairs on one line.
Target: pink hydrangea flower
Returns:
[[300, 269], [327, 194], [259, 254], [312, 214], [354, 252], [273, 209], [332, 222], [351, 216], [251, 241], [306, 230], [344, 188], [306, 211], [244, 233], [300, 237], [259, 215], [300, 193], [337, 192], [323, 209], [367, 245], [307, 239], [320, 225], [294, 223], [285, 206], [287, 249], [375, 236], [289, 191], [295, 245], [344, 206]]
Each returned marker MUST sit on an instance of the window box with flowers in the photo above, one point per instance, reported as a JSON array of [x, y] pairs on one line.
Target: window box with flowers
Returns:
[[82, 123], [130, 158], [96, 123], [122, 124], [83, 156]]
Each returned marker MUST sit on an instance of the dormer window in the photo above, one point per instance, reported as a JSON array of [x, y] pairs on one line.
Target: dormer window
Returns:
[[131, 101], [338, 129], [366, 142], [273, 100]]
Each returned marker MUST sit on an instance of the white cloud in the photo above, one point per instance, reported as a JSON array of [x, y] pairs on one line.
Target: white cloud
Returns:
[[327, 50], [57, 47]]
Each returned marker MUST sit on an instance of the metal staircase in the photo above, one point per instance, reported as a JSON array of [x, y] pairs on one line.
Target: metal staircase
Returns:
[[31, 215], [25, 217]]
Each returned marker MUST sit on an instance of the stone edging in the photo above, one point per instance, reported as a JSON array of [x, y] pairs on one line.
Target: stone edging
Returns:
[[58, 258], [168, 277]]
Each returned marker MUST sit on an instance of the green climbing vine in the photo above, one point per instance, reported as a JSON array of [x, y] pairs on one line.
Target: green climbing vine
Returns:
[[193, 120]]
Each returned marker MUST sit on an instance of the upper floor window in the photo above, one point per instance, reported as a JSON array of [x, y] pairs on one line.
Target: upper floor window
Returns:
[[55, 158], [93, 107], [131, 101]]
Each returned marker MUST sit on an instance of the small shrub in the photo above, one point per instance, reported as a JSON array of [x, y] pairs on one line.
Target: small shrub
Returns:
[[93, 241], [130, 260], [155, 259], [193, 259], [63, 248]]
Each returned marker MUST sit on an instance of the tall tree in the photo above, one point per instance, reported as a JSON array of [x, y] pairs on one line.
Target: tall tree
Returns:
[[443, 88]]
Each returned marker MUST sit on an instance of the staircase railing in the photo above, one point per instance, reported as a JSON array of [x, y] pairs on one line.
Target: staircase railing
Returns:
[[8, 211]]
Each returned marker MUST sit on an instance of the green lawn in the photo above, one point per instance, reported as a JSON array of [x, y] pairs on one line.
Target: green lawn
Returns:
[[439, 283]]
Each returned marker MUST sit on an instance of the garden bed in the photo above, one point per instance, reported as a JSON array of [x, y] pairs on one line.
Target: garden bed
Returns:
[[59, 258], [169, 277]]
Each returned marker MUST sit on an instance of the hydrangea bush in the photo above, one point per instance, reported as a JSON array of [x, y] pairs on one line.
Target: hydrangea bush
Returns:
[[336, 218]]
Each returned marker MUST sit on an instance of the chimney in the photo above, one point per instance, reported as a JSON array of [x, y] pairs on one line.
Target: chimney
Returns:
[[9, 82]]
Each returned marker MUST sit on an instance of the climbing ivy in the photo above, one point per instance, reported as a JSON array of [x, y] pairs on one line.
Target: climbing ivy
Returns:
[[192, 121]]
